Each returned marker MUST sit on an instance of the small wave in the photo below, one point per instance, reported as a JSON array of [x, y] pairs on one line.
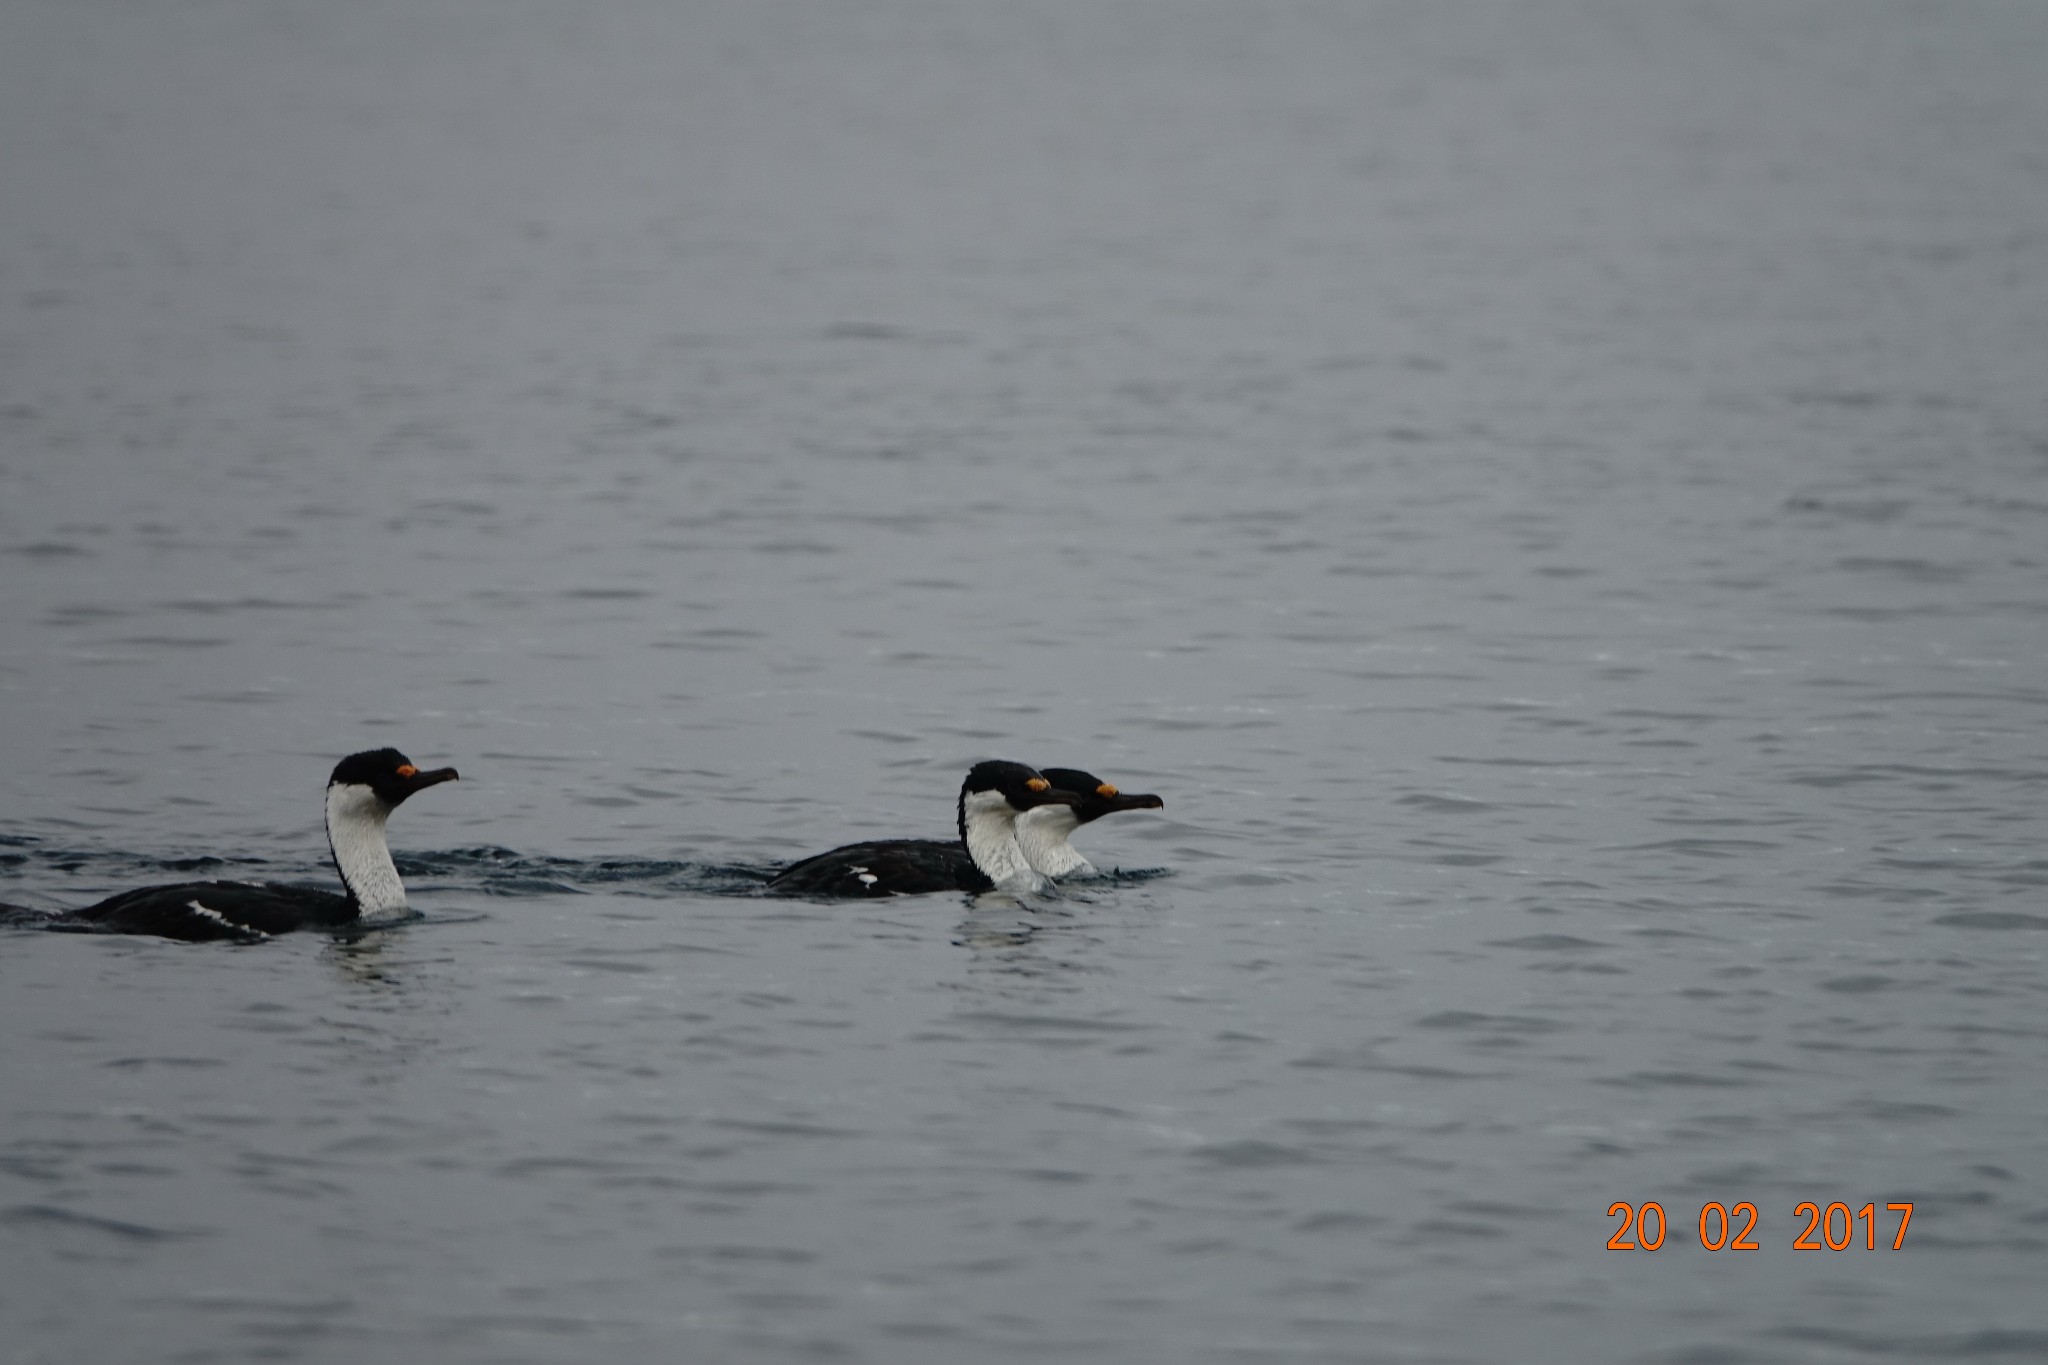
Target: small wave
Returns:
[[501, 871], [53, 1215], [31, 857], [1118, 876], [1992, 919]]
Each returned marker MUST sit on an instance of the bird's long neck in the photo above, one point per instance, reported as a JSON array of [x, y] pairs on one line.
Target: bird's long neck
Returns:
[[1042, 837], [989, 829], [355, 831]]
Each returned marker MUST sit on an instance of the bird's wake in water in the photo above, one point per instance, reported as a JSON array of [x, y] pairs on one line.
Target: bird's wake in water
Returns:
[[482, 869]]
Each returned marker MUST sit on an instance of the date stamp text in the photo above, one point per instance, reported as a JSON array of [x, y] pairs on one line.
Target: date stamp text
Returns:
[[1724, 1227]]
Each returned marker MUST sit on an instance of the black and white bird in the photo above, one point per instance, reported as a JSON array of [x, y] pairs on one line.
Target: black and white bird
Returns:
[[1043, 833], [361, 795], [984, 858]]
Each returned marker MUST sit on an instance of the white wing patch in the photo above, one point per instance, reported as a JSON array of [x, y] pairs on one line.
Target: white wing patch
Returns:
[[207, 912]]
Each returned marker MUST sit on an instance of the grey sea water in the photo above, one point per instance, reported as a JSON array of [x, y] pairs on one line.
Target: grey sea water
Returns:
[[1553, 495]]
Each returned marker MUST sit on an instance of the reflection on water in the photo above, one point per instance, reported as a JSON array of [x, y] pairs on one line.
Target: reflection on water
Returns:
[[363, 959]]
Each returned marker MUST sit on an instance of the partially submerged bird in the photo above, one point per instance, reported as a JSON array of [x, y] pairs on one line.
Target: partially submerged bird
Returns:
[[361, 795], [985, 857], [1043, 833]]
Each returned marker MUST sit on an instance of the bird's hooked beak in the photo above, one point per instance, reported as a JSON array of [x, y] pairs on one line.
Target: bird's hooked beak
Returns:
[[1117, 800], [417, 781]]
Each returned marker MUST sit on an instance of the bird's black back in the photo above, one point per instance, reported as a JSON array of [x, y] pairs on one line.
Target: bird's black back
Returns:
[[894, 867], [202, 912]]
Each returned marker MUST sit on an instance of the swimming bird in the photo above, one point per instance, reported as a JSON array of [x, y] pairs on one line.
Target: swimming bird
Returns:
[[361, 795], [1043, 833], [985, 857]]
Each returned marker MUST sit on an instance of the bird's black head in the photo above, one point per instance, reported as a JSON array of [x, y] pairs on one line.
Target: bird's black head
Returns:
[[1097, 798], [1018, 783], [388, 773]]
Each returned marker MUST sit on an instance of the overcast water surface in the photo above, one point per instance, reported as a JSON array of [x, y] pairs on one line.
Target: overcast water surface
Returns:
[[1554, 497]]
